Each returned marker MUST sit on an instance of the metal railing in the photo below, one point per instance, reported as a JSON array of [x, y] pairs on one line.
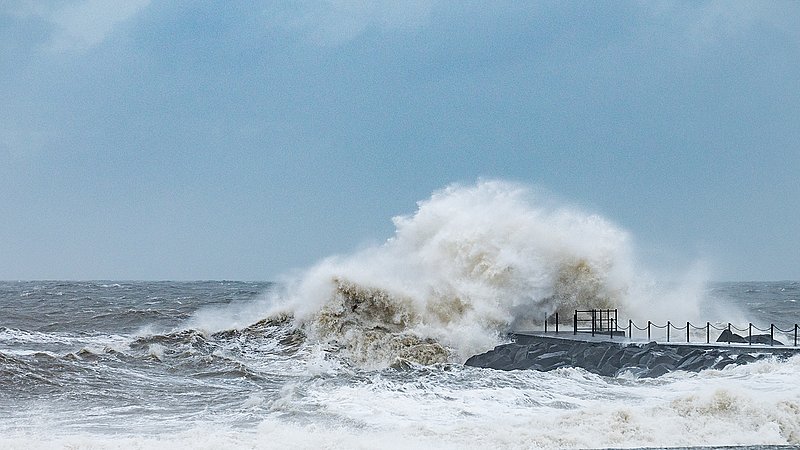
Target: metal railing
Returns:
[[708, 327], [596, 321], [605, 322], [554, 319]]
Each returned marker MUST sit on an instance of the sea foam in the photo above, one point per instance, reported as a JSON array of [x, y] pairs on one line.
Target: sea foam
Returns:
[[472, 263]]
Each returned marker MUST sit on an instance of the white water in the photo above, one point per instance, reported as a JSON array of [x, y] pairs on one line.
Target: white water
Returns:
[[756, 404], [471, 264]]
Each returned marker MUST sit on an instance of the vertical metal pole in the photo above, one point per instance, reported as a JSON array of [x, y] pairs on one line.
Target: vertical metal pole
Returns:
[[575, 323], [708, 332], [545, 323], [556, 322], [750, 335], [648, 331], [599, 316], [668, 325], [630, 328], [729, 333], [772, 334], [687, 332], [795, 335], [593, 324], [616, 319], [599, 320]]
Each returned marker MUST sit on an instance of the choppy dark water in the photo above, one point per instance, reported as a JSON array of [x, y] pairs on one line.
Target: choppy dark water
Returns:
[[766, 302], [173, 364]]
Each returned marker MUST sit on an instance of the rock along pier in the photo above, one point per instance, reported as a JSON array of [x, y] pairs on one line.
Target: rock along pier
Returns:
[[611, 355]]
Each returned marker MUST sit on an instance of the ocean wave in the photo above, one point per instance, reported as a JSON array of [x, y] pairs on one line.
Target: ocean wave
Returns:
[[471, 264]]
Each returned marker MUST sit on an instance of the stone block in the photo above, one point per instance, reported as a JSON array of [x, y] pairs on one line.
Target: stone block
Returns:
[[656, 371], [729, 336], [764, 339]]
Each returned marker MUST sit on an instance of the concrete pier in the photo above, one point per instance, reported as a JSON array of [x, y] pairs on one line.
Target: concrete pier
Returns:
[[607, 356]]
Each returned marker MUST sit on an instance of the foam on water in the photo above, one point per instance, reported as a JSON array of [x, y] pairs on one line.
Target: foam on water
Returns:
[[471, 264], [758, 404], [305, 366]]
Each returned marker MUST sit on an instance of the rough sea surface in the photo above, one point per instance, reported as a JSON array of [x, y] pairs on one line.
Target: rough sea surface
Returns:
[[367, 349], [209, 365]]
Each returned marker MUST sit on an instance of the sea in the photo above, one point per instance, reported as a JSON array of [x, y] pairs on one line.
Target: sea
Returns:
[[121, 365], [366, 350]]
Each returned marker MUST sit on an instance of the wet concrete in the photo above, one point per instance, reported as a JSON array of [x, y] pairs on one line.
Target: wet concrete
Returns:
[[608, 356]]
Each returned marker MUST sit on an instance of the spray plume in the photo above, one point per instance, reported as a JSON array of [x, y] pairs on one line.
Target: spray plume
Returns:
[[471, 264]]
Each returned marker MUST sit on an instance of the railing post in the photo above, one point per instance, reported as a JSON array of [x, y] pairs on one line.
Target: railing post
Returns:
[[772, 334], [729, 333], [668, 331], [593, 319], [708, 332], [600, 320], [603, 327], [599, 325], [630, 328], [795, 335], [610, 328], [648, 331], [750, 334], [556, 322], [575, 323], [545, 323], [687, 332]]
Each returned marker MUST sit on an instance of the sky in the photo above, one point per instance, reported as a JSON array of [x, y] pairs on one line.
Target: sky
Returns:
[[184, 140]]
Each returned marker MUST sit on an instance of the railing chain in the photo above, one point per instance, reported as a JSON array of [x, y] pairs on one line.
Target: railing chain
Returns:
[[607, 321]]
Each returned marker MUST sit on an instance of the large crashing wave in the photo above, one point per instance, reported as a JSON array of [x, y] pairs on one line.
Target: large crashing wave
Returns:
[[469, 265]]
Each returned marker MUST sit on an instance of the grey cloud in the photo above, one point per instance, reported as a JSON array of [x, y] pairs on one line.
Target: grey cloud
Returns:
[[77, 25], [336, 22], [708, 23]]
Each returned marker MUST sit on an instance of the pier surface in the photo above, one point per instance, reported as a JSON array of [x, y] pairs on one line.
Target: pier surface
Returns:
[[607, 356]]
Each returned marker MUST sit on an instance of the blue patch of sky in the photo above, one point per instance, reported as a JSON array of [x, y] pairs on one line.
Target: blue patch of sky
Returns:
[[237, 140]]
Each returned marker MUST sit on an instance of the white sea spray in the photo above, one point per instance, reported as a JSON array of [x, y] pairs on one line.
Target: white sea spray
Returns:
[[471, 264], [268, 384]]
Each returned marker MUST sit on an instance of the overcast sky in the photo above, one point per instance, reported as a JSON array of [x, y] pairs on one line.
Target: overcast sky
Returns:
[[238, 140]]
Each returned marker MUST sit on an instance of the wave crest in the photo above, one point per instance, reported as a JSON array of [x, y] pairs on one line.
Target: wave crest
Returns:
[[469, 265]]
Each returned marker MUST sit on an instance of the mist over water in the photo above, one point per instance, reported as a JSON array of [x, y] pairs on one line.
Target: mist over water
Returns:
[[471, 264], [366, 350], [92, 371]]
